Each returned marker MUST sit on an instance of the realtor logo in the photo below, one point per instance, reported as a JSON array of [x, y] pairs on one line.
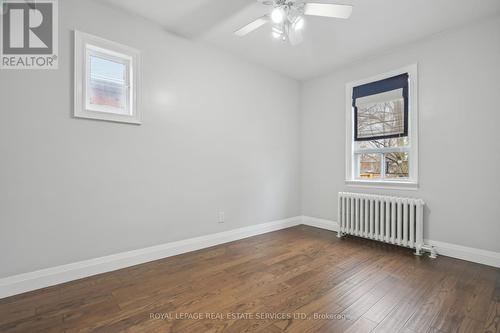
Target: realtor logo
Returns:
[[28, 34]]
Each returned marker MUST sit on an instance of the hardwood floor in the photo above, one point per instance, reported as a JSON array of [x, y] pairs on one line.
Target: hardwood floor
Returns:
[[300, 279]]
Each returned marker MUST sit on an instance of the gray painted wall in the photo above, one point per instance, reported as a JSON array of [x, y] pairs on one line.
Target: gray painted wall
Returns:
[[459, 75], [218, 134]]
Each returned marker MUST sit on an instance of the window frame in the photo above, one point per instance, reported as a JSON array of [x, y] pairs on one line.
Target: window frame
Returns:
[[351, 167], [87, 45]]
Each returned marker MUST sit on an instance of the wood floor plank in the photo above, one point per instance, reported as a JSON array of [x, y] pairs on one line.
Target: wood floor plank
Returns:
[[425, 313], [300, 279], [492, 322], [362, 325], [455, 312]]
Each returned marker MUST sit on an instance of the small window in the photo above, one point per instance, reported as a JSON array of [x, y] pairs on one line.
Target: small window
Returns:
[[106, 80], [382, 130]]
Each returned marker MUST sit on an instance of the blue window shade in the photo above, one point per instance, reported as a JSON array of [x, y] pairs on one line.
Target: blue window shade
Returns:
[[397, 123]]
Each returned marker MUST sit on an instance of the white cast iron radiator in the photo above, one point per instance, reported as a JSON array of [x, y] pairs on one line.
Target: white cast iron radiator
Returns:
[[387, 219]]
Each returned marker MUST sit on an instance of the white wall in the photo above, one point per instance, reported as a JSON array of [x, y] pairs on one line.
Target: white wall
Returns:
[[459, 80], [218, 134]]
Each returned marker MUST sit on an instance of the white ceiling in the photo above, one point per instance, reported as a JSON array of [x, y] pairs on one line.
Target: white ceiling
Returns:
[[375, 26]]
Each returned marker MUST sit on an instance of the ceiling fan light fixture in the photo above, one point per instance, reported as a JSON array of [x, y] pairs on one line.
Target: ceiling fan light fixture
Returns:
[[287, 17], [277, 15], [299, 23]]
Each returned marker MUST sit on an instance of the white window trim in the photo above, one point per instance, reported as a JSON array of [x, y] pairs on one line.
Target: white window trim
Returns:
[[412, 182], [85, 43]]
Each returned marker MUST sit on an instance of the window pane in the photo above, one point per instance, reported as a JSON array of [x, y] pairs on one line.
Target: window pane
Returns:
[[396, 165], [107, 85], [382, 143], [381, 119], [369, 166]]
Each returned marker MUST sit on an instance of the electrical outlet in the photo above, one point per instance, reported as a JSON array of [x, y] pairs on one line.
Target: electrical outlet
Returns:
[[222, 217]]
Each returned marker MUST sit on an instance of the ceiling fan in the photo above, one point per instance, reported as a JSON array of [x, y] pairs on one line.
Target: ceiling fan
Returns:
[[287, 17]]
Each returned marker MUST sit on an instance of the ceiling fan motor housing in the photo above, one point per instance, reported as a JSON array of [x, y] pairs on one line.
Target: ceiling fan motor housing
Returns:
[[286, 27]]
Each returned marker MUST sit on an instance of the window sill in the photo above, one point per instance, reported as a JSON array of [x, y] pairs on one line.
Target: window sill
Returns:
[[394, 185]]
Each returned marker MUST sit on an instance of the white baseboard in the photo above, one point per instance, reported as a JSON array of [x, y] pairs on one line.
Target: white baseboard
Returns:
[[21, 283], [320, 223], [479, 256]]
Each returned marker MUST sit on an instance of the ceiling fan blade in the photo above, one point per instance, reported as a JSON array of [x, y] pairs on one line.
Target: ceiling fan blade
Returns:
[[254, 25], [328, 10]]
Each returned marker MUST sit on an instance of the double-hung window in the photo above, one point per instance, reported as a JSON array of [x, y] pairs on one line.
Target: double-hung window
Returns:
[[106, 80], [382, 130]]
